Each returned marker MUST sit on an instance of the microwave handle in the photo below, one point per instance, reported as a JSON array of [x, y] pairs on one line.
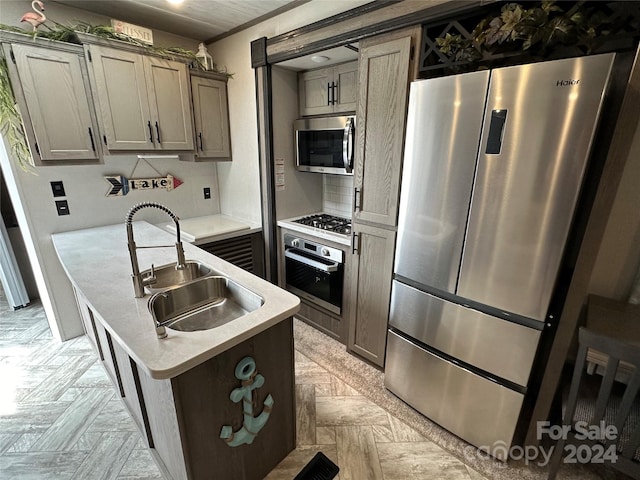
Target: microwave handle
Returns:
[[347, 145], [310, 262]]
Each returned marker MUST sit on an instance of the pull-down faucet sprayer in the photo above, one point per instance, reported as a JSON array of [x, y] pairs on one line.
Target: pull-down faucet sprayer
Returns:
[[138, 281]]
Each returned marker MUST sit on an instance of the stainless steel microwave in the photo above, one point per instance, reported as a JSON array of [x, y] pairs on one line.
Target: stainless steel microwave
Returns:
[[325, 144]]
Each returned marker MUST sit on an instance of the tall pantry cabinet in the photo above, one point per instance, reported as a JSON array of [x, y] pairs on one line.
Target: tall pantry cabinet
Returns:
[[386, 66]]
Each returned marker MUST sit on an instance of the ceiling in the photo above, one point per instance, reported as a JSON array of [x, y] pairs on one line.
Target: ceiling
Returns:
[[332, 56], [204, 20], [207, 20]]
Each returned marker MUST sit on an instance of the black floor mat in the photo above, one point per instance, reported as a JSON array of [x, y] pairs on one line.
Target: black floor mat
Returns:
[[318, 468]]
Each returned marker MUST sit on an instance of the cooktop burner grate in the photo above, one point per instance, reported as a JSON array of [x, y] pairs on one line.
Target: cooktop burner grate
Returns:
[[331, 223]]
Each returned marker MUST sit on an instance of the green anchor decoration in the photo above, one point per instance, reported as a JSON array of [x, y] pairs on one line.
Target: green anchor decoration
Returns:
[[250, 380]]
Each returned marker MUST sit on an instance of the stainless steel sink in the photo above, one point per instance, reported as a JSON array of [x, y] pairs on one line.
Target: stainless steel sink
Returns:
[[167, 276], [201, 304]]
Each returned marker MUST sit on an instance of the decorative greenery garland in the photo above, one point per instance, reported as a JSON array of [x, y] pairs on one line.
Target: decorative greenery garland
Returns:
[[68, 34], [10, 119], [537, 30]]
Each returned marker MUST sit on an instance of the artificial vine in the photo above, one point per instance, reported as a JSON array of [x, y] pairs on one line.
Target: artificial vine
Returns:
[[68, 34], [11, 121], [536, 30]]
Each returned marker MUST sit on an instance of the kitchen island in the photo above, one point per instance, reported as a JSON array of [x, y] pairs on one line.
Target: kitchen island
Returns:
[[182, 390]]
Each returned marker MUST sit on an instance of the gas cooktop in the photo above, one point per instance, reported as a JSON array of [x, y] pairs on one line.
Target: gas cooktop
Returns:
[[330, 223]]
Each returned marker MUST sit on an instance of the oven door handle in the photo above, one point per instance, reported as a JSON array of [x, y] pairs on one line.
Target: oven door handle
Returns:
[[312, 263]]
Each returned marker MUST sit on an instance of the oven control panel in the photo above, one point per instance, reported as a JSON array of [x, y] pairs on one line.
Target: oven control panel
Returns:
[[314, 248]]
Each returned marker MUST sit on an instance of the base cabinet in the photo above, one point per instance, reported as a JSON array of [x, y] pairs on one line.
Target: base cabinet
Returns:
[[325, 322], [181, 419], [370, 291]]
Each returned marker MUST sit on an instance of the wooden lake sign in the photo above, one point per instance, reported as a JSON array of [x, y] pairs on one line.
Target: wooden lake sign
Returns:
[[121, 185]]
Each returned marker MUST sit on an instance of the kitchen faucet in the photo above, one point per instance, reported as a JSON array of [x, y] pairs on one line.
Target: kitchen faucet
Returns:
[[139, 282]]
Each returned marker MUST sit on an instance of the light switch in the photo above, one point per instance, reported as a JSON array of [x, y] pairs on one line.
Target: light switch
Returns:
[[58, 189]]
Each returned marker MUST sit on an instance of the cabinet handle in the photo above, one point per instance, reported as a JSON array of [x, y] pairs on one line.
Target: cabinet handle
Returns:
[[93, 145], [158, 132], [357, 198], [200, 138], [355, 239], [150, 131], [329, 93], [334, 86]]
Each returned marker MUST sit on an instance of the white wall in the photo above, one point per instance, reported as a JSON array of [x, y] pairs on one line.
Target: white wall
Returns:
[[86, 189], [235, 53], [302, 192]]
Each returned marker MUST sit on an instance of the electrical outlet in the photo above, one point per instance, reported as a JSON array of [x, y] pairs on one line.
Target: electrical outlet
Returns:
[[207, 193], [63, 207]]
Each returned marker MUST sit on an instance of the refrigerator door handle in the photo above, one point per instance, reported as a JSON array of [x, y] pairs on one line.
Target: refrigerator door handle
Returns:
[[496, 131]]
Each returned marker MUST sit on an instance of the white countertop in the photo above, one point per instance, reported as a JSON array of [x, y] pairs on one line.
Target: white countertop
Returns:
[[289, 224], [209, 228], [98, 265]]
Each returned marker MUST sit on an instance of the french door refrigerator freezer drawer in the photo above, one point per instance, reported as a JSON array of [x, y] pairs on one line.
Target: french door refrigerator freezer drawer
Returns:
[[500, 347], [477, 410]]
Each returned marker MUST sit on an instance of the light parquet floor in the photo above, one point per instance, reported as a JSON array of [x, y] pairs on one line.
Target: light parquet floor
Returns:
[[60, 418]]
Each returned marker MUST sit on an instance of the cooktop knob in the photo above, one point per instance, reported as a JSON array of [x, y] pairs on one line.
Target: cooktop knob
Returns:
[[295, 242]]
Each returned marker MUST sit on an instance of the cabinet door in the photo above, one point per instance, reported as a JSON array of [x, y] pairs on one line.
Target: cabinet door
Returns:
[[58, 103], [88, 323], [346, 78], [382, 106], [314, 87], [131, 391], [211, 114], [371, 270], [122, 98], [168, 89]]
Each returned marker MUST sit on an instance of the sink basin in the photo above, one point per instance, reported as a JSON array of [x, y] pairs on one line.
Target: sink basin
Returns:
[[202, 304], [168, 276]]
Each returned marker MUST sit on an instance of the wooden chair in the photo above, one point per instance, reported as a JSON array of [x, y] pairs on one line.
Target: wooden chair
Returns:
[[611, 402]]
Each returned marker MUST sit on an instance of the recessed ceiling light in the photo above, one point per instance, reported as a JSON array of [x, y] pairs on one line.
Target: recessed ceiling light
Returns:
[[175, 2], [319, 59]]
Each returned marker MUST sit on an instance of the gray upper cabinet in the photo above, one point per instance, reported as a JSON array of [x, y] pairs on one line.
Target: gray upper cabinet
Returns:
[[211, 116], [143, 100], [53, 94], [328, 90]]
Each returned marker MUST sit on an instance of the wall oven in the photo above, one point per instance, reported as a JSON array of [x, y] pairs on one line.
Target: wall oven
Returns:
[[314, 272], [325, 144]]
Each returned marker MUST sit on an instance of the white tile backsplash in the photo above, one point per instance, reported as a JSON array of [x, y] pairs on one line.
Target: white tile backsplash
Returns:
[[337, 195]]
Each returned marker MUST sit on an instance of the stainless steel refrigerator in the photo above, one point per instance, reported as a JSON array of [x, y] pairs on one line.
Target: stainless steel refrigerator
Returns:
[[493, 167]]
